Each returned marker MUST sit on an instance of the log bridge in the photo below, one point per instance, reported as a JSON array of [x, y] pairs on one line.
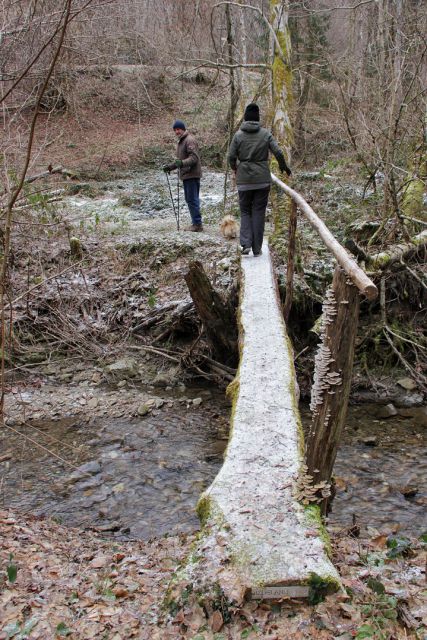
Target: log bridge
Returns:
[[260, 537]]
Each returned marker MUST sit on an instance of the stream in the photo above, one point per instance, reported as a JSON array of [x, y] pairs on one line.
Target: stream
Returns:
[[141, 476]]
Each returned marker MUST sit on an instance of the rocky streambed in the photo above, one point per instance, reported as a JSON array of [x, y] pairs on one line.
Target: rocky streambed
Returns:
[[126, 460], [132, 460]]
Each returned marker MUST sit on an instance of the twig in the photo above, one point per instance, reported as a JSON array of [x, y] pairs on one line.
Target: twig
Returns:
[[30, 365], [413, 274], [70, 464], [403, 361], [300, 353], [399, 337], [39, 284], [160, 352]]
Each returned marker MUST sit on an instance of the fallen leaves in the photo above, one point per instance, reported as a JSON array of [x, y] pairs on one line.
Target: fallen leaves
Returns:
[[216, 621], [69, 583], [75, 584]]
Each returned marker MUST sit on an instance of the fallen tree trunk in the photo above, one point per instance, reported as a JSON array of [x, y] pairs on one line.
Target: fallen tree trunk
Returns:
[[382, 260], [257, 540], [50, 171], [218, 317]]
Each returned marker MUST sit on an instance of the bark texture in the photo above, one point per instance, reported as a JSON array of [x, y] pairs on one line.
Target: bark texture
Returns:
[[332, 376], [218, 318]]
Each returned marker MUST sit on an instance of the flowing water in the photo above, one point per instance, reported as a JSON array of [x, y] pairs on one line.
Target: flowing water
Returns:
[[136, 478], [381, 471], [141, 478]]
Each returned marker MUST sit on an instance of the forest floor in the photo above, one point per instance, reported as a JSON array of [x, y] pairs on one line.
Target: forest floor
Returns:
[[63, 582], [79, 351]]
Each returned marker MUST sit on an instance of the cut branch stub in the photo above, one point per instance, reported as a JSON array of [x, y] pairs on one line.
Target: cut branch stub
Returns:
[[218, 318]]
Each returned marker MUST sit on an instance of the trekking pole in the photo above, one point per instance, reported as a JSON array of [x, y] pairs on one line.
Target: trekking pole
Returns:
[[172, 200], [177, 188]]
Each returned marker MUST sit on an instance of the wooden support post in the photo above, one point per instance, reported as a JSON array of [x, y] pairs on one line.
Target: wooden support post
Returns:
[[332, 376], [218, 318], [291, 260]]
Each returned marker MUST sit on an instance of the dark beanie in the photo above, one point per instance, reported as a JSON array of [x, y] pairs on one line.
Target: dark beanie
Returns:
[[252, 112], [179, 124]]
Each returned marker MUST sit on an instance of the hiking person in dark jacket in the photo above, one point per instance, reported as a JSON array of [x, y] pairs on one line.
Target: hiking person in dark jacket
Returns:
[[248, 157], [190, 171]]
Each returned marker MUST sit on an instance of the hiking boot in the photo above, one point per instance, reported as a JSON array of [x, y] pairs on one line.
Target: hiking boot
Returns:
[[195, 227], [245, 251], [258, 254]]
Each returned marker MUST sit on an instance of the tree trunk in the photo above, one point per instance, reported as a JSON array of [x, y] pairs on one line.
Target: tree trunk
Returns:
[[218, 318], [282, 76], [332, 376], [281, 95]]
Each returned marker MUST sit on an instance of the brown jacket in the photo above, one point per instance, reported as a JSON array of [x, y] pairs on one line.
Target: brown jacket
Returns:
[[188, 151]]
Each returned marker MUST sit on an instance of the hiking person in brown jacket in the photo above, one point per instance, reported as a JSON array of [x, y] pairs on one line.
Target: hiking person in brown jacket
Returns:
[[190, 171]]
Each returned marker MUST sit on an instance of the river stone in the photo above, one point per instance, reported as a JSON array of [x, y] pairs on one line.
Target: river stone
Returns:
[[51, 370], [419, 414], [88, 469], [370, 441], [65, 377], [166, 378], [143, 409], [410, 400], [123, 369], [93, 403], [407, 383], [90, 483], [81, 376], [197, 401], [386, 411]]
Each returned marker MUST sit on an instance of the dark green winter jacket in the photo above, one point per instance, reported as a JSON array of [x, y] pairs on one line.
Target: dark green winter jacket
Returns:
[[249, 151]]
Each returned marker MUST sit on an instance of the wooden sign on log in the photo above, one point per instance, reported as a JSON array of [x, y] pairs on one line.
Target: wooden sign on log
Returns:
[[276, 593]]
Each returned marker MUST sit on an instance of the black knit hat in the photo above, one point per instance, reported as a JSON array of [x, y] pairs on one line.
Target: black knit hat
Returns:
[[179, 124], [252, 112]]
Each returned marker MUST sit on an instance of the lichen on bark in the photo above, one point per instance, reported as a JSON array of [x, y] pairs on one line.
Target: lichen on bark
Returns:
[[281, 98]]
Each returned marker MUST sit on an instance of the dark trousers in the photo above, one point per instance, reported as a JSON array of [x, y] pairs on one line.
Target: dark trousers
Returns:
[[191, 194], [252, 217]]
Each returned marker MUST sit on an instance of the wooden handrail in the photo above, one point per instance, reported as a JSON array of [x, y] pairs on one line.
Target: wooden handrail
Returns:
[[350, 266]]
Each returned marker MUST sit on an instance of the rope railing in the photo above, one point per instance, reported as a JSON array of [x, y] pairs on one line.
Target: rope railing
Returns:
[[350, 266]]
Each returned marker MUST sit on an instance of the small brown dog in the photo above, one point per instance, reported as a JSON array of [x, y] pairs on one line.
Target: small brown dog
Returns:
[[229, 227]]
